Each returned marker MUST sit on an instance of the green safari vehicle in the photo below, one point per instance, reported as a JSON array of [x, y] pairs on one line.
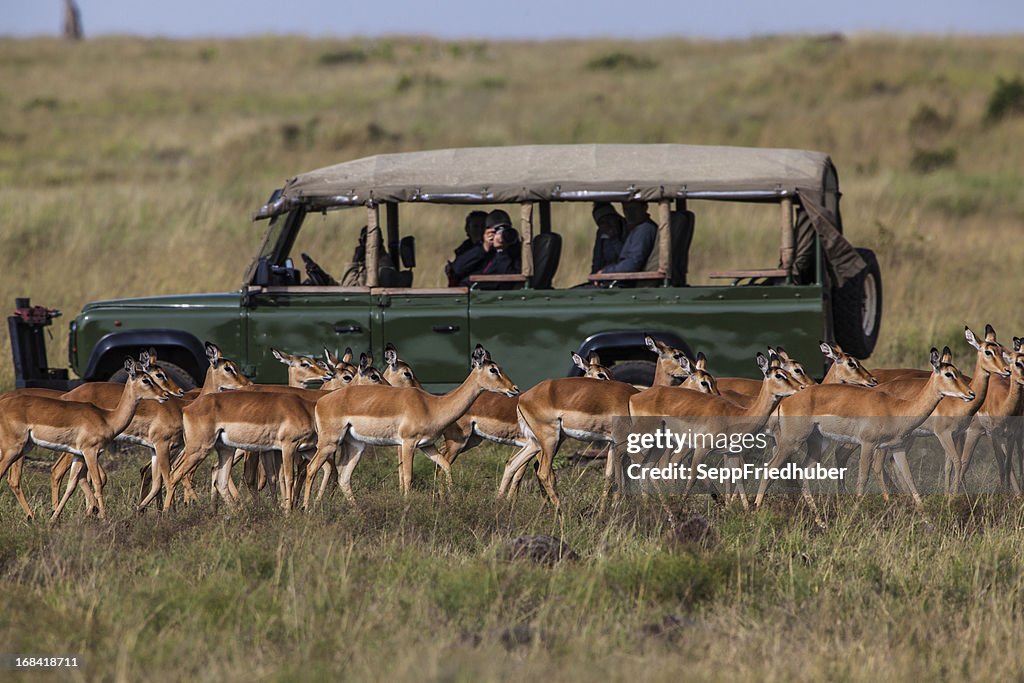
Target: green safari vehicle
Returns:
[[816, 286]]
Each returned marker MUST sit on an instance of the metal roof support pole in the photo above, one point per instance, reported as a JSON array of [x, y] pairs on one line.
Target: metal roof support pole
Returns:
[[526, 231], [372, 241], [664, 238], [788, 244]]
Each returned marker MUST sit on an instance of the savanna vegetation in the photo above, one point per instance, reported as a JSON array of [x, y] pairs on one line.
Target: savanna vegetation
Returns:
[[130, 167]]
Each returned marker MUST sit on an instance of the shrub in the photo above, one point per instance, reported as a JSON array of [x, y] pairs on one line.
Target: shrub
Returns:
[[621, 61], [1006, 100], [928, 160]]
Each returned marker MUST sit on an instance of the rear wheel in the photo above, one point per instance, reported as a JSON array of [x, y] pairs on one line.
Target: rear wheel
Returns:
[[177, 373], [639, 372], [857, 309]]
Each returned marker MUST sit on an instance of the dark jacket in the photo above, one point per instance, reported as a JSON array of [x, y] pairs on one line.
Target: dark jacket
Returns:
[[636, 249]]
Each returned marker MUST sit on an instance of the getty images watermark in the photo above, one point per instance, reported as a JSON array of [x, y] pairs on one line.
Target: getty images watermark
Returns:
[[667, 442]]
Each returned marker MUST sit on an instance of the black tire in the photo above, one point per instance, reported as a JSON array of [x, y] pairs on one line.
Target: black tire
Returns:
[[857, 309], [640, 372], [177, 373]]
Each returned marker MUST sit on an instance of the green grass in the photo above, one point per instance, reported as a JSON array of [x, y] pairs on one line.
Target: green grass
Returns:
[[130, 167], [413, 588]]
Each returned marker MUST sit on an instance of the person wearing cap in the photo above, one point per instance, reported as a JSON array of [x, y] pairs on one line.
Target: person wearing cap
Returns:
[[640, 248], [608, 243], [497, 253]]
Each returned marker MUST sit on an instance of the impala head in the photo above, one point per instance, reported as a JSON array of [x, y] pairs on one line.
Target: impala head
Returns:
[[147, 363], [303, 369], [847, 369], [777, 378], [366, 373], [670, 359], [397, 372], [947, 378], [792, 366], [143, 383], [990, 353], [489, 374], [591, 367], [1015, 360], [223, 374], [699, 379]]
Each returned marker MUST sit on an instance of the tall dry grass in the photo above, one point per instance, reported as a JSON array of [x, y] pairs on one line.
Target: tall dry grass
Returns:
[[129, 167]]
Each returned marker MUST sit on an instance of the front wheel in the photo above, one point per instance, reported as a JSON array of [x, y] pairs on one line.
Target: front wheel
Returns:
[[175, 372], [636, 372]]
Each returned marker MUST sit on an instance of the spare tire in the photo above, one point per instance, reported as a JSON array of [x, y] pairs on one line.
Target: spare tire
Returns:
[[857, 309]]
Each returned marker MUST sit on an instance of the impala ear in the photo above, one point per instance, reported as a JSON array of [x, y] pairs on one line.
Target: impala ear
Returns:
[[685, 366], [990, 333], [593, 358], [933, 358], [651, 344], [782, 353], [762, 362], [390, 356], [578, 361], [212, 353], [145, 360], [278, 355], [130, 367], [332, 359], [702, 361], [348, 355], [947, 355], [1017, 343], [480, 354], [971, 339], [365, 361], [827, 349]]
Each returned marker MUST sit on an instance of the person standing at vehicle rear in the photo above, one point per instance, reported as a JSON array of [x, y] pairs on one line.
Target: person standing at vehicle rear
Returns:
[[640, 249]]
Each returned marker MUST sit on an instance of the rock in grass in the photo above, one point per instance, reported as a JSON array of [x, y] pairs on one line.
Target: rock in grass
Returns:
[[540, 549], [691, 531]]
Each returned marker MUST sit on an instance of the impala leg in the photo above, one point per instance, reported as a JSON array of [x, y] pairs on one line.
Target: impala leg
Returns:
[[161, 472], [326, 446], [783, 449], [549, 445], [330, 473], [441, 462], [351, 452], [698, 456], [405, 456], [970, 443], [58, 469], [456, 438], [518, 460], [251, 473], [92, 463], [903, 473], [14, 481], [843, 453], [518, 478], [867, 451], [189, 462], [222, 475]]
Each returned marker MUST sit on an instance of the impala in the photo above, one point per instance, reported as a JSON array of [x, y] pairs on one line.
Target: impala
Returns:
[[716, 414], [78, 428], [950, 417], [999, 418], [871, 418], [410, 418]]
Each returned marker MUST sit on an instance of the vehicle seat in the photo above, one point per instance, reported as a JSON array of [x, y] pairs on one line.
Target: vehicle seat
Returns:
[[547, 251], [681, 226]]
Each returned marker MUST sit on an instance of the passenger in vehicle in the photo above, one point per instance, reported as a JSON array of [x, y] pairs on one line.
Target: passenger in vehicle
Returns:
[[475, 224], [355, 271], [608, 242], [497, 254], [640, 248]]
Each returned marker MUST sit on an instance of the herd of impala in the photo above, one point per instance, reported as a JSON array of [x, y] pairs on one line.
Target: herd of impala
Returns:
[[287, 435]]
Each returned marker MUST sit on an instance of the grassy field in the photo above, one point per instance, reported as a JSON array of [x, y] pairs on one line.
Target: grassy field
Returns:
[[130, 167]]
